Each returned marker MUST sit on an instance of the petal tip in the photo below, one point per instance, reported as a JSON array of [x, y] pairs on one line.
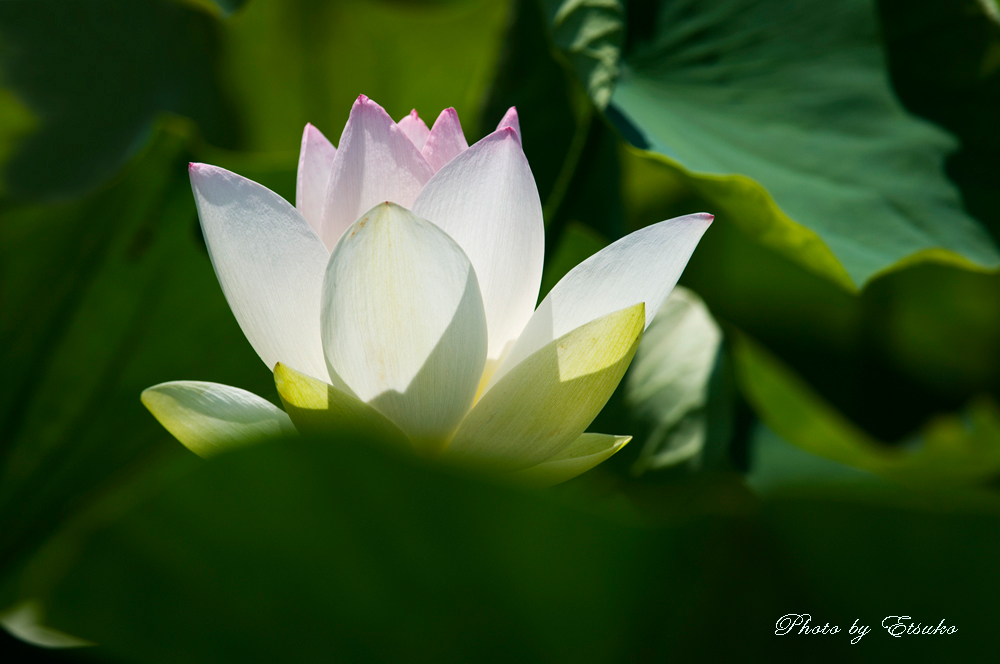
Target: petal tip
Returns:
[[281, 373], [510, 121], [201, 174], [310, 134], [153, 399], [284, 381], [362, 100], [198, 167]]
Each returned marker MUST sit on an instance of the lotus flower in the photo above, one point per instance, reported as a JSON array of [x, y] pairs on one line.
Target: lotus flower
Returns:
[[398, 298]]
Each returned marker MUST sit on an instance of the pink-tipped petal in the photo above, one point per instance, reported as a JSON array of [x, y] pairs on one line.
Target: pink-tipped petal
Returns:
[[641, 267], [446, 140], [486, 199], [415, 129], [315, 162], [375, 162], [510, 120]]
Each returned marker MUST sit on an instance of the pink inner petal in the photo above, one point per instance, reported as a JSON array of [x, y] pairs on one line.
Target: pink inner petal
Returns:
[[375, 162], [446, 140], [510, 120], [315, 161], [415, 129]]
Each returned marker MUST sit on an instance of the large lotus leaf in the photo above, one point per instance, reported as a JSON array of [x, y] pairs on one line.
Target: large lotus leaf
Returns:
[[915, 341], [590, 33], [304, 550], [941, 51], [797, 98], [788, 111], [960, 449]]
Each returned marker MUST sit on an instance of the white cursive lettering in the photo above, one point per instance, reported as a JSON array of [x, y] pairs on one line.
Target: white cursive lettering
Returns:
[[790, 621], [859, 630], [901, 628]]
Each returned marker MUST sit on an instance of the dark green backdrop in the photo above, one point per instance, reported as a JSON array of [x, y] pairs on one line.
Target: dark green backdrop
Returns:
[[851, 452]]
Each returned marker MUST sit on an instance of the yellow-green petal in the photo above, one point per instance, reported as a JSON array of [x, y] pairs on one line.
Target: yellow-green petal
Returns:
[[318, 407], [25, 621], [545, 402], [209, 418], [582, 454]]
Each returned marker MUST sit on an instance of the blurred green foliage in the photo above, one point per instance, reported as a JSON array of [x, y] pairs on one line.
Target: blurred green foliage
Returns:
[[329, 549], [96, 76], [851, 441], [796, 97]]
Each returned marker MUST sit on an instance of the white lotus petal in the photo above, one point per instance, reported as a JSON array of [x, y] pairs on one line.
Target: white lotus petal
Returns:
[[375, 162], [641, 267], [486, 200], [318, 407], [270, 263], [315, 162], [543, 404], [415, 129], [510, 120], [584, 453], [446, 140], [403, 322], [209, 417]]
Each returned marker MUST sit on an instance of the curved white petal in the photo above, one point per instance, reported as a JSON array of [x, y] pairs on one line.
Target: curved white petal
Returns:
[[415, 129], [510, 120], [403, 322], [584, 453], [446, 140], [542, 405], [318, 407], [486, 200], [375, 162], [315, 162], [270, 263], [209, 417], [641, 267]]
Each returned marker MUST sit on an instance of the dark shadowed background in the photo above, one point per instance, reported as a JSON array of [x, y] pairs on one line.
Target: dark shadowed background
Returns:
[[816, 417]]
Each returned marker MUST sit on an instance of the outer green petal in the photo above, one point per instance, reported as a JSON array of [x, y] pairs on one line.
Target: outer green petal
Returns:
[[544, 403], [317, 407], [209, 417], [25, 621], [582, 454]]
